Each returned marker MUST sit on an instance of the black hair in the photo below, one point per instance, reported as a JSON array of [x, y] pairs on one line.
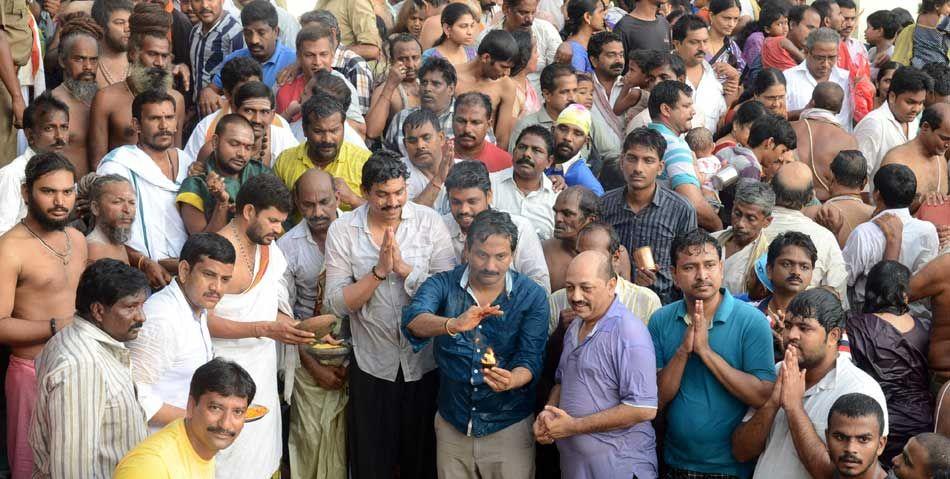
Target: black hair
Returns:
[[321, 106], [399, 39], [312, 33], [474, 98], [106, 282], [931, 116], [677, 65], [574, 19], [324, 81], [667, 92], [938, 452], [850, 168], [641, 57], [263, 192], [897, 185], [788, 239], [774, 127], [646, 137], [202, 246], [382, 166], [551, 73], [451, 14], [748, 112], [768, 14], [237, 70], [886, 21], [695, 238], [797, 13], [491, 222], [910, 79], [887, 66], [600, 225], [420, 117], [902, 16], [259, 11], [588, 202], [541, 132], [150, 97], [224, 377], [597, 41], [231, 119], [42, 105], [323, 17], [820, 304], [824, 9], [930, 6], [718, 6], [468, 174], [441, 65], [43, 164], [253, 89], [499, 45], [887, 288], [767, 78], [940, 74], [847, 4], [791, 198], [103, 9], [686, 24], [857, 405], [525, 49]]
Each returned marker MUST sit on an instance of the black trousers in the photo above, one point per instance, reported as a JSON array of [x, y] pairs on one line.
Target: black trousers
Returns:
[[390, 426]]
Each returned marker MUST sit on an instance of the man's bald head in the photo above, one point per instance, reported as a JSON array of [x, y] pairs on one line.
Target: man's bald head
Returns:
[[829, 96], [314, 180], [592, 264], [793, 186]]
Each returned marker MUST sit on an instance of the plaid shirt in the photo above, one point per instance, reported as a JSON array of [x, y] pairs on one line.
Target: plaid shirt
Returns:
[[208, 51], [357, 72]]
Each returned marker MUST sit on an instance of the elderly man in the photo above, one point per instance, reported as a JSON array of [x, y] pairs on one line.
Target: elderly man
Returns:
[[575, 207], [490, 325], [79, 60], [599, 412], [787, 431], [175, 341], [468, 190], [821, 58], [744, 242], [821, 136], [377, 256], [87, 415], [925, 155], [112, 202]]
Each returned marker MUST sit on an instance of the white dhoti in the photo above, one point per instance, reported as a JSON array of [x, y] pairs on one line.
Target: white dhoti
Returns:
[[158, 230], [256, 452]]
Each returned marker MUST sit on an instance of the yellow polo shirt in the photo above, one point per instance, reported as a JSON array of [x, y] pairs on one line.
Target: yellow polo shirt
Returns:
[[348, 165], [167, 454]]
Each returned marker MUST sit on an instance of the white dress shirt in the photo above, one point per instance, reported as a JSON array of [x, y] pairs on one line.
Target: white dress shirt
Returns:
[[281, 137], [865, 248], [708, 98], [424, 243], [877, 133], [780, 460], [801, 84], [537, 206], [418, 182], [172, 344], [305, 263], [12, 176], [829, 269], [528, 258]]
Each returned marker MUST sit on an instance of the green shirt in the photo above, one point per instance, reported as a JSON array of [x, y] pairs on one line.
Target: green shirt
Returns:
[[194, 190]]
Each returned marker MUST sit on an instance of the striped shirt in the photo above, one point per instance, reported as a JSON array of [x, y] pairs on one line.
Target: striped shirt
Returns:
[[678, 158], [208, 50], [87, 416], [667, 216], [357, 72]]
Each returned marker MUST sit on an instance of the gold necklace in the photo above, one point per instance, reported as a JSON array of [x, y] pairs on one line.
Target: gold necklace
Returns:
[[247, 258], [64, 257]]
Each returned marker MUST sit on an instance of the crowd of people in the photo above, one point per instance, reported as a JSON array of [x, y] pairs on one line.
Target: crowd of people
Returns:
[[459, 239]]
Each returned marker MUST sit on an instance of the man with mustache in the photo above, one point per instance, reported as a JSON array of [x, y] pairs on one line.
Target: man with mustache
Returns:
[[113, 17], [524, 189], [574, 209], [606, 54], [789, 263], [714, 361], [218, 399], [855, 436], [743, 242], [571, 132], [112, 202], [400, 90], [483, 424], [690, 43], [46, 126], [471, 123], [429, 158], [468, 189], [521, 15], [353, 67], [488, 73], [206, 201], [925, 155], [821, 58], [377, 257], [150, 62], [599, 412], [788, 430], [216, 36], [41, 260], [437, 81], [79, 59], [317, 393], [87, 414]]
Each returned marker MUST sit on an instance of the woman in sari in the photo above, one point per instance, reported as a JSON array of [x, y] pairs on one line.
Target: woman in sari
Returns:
[[723, 18], [891, 345]]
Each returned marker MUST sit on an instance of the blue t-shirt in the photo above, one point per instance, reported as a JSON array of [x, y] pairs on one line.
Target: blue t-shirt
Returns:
[[703, 414], [579, 173], [579, 58], [678, 160], [282, 58]]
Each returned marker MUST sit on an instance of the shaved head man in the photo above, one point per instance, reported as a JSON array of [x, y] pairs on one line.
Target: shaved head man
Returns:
[[820, 136]]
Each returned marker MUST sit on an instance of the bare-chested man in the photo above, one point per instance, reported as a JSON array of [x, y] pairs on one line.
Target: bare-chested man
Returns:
[[488, 73], [845, 206], [401, 89], [79, 60], [113, 17], [933, 282], [925, 154], [821, 137], [40, 263], [150, 60], [574, 209], [112, 201]]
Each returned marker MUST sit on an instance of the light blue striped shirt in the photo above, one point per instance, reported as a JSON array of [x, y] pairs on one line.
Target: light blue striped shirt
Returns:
[[678, 159]]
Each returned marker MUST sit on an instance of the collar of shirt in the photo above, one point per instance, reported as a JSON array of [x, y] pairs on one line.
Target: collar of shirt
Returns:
[[606, 323], [546, 184], [339, 57], [566, 166], [614, 90], [279, 52], [663, 129], [87, 328], [175, 288], [657, 200], [790, 213], [464, 284], [888, 115], [708, 75], [542, 116], [830, 380], [302, 231], [902, 213], [723, 311], [838, 74], [217, 25]]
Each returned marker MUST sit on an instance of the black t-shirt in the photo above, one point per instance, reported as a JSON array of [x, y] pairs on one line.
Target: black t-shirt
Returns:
[[643, 35]]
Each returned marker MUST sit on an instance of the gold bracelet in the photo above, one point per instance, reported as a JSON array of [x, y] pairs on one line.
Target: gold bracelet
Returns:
[[447, 331]]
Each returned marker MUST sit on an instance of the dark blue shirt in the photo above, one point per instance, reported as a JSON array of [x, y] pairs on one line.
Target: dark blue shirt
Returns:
[[518, 338], [282, 58]]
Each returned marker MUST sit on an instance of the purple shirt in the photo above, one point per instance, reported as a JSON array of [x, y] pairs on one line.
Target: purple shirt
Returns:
[[615, 364]]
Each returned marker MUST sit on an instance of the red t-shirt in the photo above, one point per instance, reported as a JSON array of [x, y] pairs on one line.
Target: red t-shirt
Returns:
[[290, 93], [494, 158]]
